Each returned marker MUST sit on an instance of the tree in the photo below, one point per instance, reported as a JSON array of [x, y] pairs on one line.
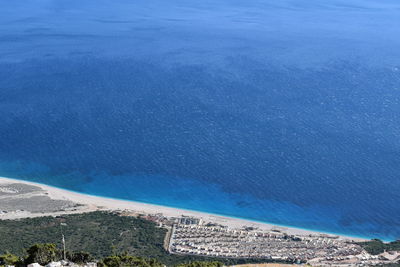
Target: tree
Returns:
[[9, 259], [126, 260], [43, 254], [79, 257]]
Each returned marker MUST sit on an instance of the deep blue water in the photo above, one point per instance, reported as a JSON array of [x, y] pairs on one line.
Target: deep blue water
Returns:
[[283, 111]]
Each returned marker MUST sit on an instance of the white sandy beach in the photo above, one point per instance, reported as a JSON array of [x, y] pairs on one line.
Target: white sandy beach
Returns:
[[92, 203]]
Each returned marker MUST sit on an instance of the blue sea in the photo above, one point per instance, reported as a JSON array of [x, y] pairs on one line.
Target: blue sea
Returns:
[[281, 111]]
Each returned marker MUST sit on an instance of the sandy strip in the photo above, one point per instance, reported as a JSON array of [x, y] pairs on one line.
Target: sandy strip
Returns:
[[92, 203]]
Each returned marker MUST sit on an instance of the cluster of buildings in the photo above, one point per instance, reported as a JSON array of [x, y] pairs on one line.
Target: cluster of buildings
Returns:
[[63, 263], [220, 241], [362, 259], [192, 237]]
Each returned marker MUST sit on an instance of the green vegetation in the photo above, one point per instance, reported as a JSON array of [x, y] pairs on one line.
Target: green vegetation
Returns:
[[376, 246], [9, 259], [79, 257], [40, 253], [45, 253], [99, 234], [128, 260]]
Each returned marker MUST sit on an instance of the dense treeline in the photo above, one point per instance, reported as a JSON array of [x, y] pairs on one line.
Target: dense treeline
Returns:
[[376, 246], [46, 253], [97, 233], [42, 254], [100, 234]]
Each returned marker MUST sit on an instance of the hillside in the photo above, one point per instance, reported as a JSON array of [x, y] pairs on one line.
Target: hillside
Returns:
[[100, 233]]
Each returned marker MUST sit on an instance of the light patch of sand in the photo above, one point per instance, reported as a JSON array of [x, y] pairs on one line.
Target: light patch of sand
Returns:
[[88, 203]]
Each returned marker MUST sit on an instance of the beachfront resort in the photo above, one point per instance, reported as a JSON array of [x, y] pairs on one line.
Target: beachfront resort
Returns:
[[190, 236], [190, 233]]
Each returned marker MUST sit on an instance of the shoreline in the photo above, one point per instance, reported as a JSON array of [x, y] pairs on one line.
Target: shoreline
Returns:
[[89, 203]]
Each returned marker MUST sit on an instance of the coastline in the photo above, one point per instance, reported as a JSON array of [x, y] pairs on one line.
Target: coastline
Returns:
[[89, 203]]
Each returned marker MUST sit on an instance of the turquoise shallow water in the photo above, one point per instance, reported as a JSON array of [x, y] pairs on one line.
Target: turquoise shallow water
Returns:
[[210, 207], [286, 112]]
